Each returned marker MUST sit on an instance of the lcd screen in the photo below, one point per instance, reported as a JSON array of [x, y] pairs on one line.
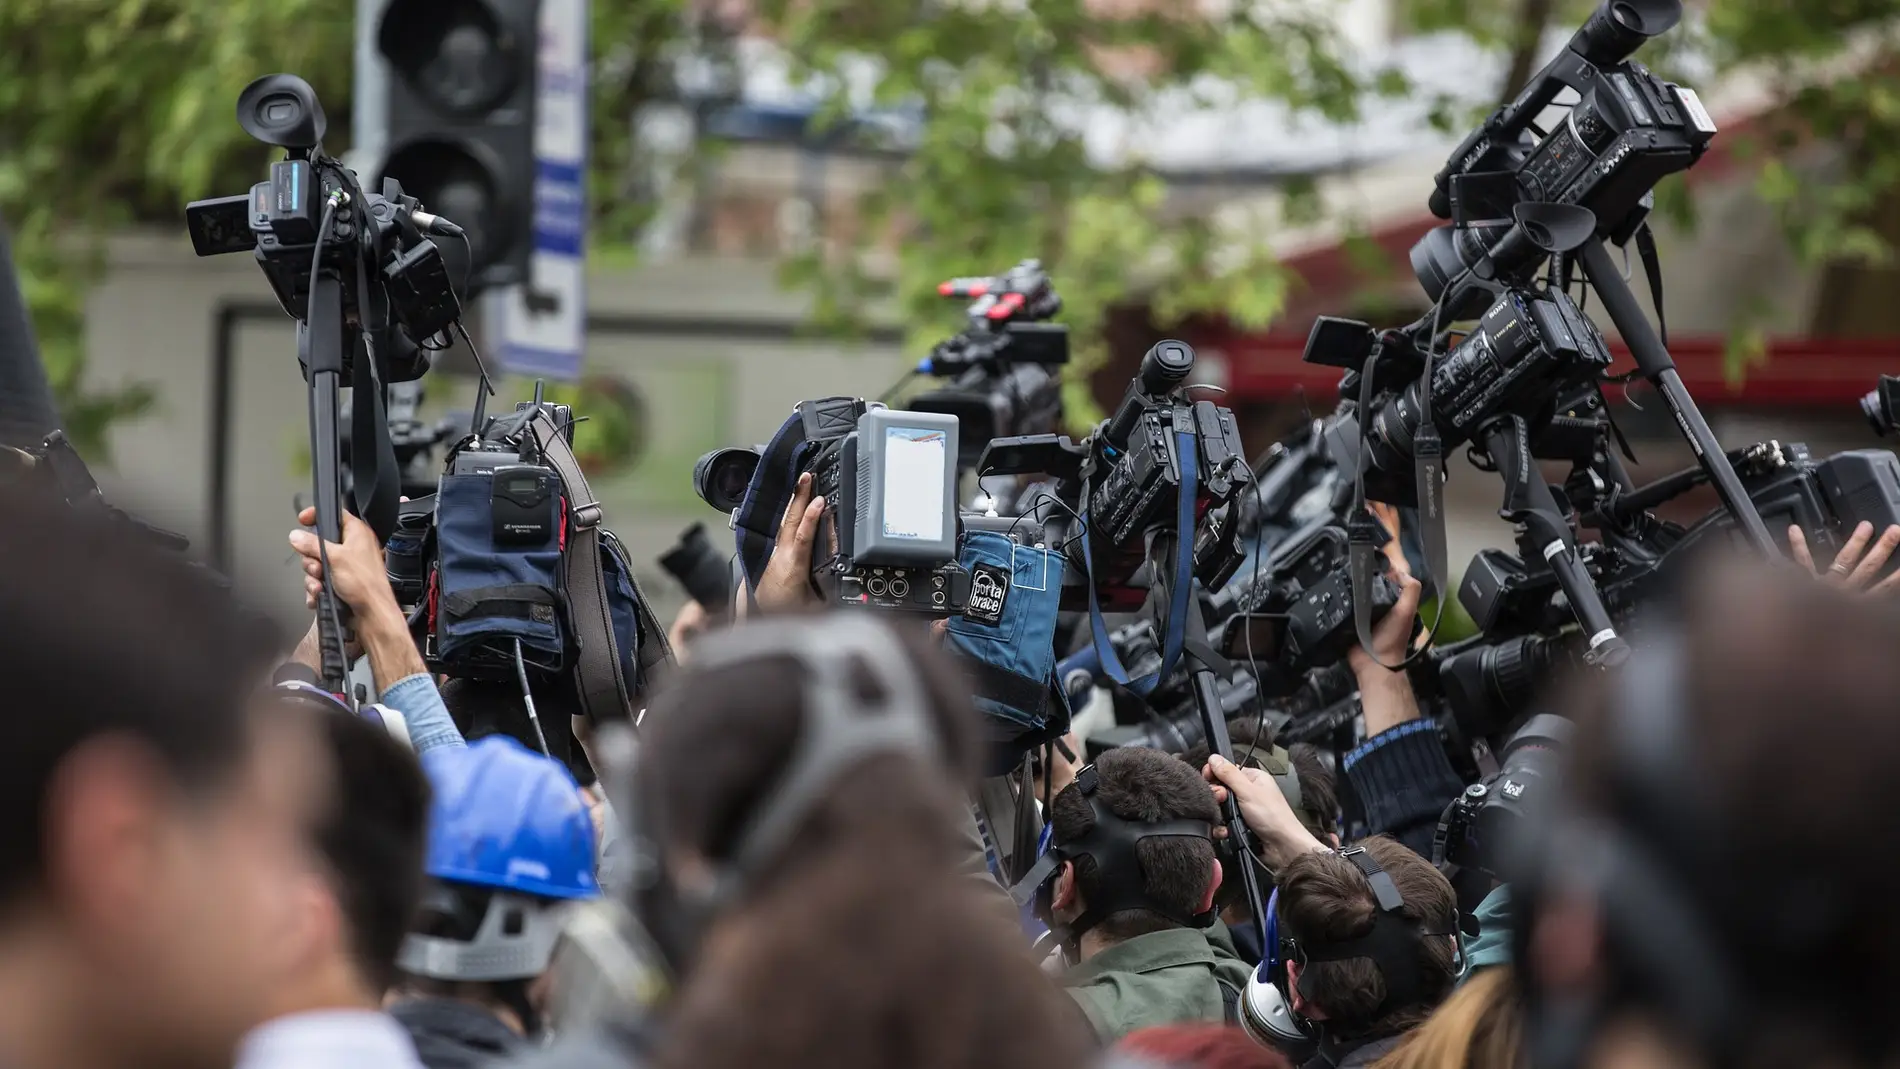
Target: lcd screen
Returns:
[[914, 465]]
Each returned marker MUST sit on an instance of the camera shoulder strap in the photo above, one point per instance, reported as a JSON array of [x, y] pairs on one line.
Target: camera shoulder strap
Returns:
[[598, 677]]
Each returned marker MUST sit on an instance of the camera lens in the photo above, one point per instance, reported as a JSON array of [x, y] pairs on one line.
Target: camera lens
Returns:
[[720, 477]]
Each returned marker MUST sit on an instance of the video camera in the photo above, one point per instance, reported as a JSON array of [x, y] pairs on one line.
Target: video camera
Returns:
[[1481, 826], [1004, 367], [1297, 614], [703, 571], [1526, 350], [337, 258], [1626, 131], [1160, 461]]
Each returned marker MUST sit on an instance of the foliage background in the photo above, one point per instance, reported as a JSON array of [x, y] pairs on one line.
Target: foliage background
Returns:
[[116, 111]]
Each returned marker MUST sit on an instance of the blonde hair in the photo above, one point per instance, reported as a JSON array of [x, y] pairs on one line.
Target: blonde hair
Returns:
[[1478, 1027]]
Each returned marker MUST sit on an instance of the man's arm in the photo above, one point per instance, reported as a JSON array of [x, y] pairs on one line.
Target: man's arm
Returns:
[[361, 581], [1400, 773]]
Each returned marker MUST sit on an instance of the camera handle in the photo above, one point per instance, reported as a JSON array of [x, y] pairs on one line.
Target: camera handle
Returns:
[[1543, 530], [1656, 365], [1201, 666], [321, 342]]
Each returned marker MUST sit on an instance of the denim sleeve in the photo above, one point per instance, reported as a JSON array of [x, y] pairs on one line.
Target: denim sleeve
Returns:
[[1405, 781], [420, 703]]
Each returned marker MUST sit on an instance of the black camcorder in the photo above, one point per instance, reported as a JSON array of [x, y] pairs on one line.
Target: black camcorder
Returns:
[[376, 244], [1004, 368], [1626, 130], [1482, 826], [1126, 478], [1529, 346], [888, 536], [1297, 614]]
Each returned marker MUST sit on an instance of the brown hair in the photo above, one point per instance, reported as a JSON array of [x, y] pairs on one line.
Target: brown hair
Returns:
[[1150, 787], [1326, 900], [1479, 1027], [859, 947]]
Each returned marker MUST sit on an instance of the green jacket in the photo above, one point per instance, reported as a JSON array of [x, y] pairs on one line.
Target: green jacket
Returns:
[[1167, 977]]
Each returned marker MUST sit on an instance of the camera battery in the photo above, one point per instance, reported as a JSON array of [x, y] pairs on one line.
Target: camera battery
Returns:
[[520, 504]]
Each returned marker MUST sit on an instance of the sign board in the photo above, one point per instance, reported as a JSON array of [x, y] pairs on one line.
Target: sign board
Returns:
[[542, 325]]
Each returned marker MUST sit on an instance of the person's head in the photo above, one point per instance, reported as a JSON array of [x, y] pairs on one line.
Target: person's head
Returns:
[[511, 847], [152, 806], [1479, 1027], [485, 707], [366, 873], [848, 932], [1178, 875], [1201, 1046], [1329, 907], [1254, 747], [1694, 898]]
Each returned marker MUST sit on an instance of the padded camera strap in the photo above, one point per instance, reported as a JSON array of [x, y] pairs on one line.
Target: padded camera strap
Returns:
[[601, 684], [1187, 448]]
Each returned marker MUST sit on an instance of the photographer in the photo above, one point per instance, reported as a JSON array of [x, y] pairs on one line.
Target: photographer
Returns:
[[1133, 917], [510, 846], [1371, 944], [1678, 911], [155, 811], [361, 581], [351, 914]]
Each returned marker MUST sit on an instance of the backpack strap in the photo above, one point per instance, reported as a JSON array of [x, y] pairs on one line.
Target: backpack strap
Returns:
[[604, 690]]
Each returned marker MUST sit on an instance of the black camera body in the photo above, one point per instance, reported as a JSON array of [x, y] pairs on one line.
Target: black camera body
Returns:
[[1826, 498], [1004, 367], [702, 570], [1126, 478], [1481, 827], [1298, 611], [1530, 346], [1626, 131], [870, 464], [374, 247]]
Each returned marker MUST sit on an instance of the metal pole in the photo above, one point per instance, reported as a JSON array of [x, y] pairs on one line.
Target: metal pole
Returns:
[[369, 99]]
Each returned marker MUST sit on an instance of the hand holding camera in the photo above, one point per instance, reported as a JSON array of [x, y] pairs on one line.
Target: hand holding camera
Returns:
[[786, 583]]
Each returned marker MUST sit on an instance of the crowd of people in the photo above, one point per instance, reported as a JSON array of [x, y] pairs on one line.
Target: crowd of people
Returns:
[[205, 869]]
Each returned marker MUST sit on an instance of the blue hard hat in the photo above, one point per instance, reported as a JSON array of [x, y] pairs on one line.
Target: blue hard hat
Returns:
[[507, 818]]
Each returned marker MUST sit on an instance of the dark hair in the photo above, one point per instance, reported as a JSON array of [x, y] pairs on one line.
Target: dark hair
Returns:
[[1202, 1046], [1319, 789], [1775, 831], [111, 635], [1149, 786], [1252, 737], [1325, 900], [859, 946], [484, 707], [372, 838]]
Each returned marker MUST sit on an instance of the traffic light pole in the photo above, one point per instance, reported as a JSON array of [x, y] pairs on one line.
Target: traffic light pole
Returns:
[[369, 109]]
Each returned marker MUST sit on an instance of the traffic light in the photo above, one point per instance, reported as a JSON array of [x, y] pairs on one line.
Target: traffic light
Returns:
[[460, 125]]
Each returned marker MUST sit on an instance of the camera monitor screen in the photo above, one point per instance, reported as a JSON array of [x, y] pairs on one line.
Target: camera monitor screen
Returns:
[[903, 488], [913, 482]]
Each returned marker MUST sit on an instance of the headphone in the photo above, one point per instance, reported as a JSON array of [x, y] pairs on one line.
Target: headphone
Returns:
[[1393, 944], [297, 684], [840, 729], [1120, 884]]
